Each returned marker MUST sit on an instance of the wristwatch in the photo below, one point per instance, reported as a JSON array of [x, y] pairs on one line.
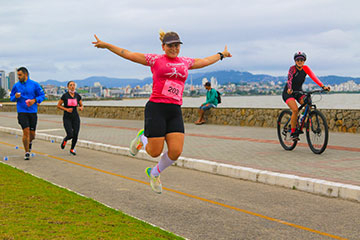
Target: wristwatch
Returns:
[[221, 55]]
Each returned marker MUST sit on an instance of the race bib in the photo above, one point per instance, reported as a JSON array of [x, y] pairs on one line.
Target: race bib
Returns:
[[72, 102], [173, 90]]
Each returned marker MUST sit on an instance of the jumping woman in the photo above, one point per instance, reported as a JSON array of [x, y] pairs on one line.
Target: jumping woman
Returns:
[[163, 117]]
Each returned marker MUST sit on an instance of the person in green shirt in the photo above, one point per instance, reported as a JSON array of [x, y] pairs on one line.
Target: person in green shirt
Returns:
[[211, 102]]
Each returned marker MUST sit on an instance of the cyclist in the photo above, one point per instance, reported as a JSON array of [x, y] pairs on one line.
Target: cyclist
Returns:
[[296, 78], [163, 117]]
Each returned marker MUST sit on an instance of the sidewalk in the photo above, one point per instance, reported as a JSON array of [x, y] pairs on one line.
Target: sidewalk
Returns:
[[224, 146]]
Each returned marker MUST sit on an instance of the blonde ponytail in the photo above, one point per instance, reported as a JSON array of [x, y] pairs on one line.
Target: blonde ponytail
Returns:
[[162, 34]]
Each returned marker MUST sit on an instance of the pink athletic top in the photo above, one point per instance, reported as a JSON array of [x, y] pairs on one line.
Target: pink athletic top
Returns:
[[169, 76]]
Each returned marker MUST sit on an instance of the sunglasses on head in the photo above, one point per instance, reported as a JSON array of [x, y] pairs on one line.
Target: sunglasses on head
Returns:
[[171, 45]]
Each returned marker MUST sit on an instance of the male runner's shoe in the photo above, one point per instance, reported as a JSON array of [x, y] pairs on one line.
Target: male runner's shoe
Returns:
[[155, 182], [27, 156], [136, 143], [72, 151], [63, 143]]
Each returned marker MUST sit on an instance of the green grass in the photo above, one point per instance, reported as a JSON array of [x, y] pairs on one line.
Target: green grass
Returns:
[[31, 208]]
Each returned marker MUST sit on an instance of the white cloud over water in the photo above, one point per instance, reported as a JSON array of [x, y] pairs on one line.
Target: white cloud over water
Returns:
[[53, 38]]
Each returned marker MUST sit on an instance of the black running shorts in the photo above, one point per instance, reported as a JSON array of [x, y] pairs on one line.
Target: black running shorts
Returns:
[[162, 118], [27, 120]]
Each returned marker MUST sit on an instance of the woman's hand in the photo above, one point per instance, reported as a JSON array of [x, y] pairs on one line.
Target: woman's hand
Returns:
[[69, 110], [99, 43], [289, 91], [81, 108], [226, 53]]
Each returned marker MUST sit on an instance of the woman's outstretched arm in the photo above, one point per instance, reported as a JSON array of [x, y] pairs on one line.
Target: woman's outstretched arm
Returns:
[[203, 62], [132, 56]]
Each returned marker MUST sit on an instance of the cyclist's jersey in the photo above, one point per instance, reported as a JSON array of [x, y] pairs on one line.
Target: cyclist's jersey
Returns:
[[296, 78]]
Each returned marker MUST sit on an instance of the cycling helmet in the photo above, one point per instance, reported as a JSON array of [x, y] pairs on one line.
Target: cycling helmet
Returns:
[[300, 55]]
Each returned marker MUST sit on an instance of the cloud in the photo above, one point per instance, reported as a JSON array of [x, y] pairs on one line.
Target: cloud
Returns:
[[54, 38]]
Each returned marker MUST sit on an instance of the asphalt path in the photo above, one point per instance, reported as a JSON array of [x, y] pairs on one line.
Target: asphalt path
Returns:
[[194, 204]]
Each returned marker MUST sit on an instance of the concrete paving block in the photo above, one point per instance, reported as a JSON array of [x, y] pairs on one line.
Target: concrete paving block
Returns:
[[325, 188], [269, 177], [83, 143], [228, 170], [349, 192], [96, 146], [304, 184], [251, 174], [105, 148], [179, 162], [285, 180], [122, 151], [205, 166]]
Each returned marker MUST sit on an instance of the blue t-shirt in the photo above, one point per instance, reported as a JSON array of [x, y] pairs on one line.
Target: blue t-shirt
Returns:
[[29, 90]]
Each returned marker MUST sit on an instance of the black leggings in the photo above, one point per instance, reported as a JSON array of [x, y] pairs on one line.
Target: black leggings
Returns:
[[72, 128]]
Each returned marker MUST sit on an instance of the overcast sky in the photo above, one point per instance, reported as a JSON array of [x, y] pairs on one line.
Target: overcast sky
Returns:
[[53, 38]]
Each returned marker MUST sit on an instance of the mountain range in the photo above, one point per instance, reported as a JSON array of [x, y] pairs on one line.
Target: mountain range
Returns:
[[223, 77]]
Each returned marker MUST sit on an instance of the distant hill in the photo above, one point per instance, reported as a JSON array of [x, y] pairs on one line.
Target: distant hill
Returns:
[[223, 77], [105, 81]]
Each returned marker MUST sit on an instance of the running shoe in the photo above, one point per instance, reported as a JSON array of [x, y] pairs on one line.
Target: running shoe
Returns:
[[155, 182], [27, 156], [73, 152], [136, 143], [63, 144]]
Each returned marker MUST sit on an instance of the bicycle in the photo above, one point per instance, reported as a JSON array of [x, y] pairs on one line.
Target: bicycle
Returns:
[[317, 131]]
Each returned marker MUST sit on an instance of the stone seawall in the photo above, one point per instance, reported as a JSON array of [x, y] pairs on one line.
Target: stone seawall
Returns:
[[339, 120]]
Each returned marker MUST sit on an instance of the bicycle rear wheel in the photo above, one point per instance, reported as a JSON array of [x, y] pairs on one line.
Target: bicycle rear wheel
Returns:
[[317, 132], [284, 130]]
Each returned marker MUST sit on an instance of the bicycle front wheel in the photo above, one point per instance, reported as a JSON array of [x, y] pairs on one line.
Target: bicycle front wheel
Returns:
[[284, 130], [317, 132]]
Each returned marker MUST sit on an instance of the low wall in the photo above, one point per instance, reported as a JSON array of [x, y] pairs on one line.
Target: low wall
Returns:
[[339, 120]]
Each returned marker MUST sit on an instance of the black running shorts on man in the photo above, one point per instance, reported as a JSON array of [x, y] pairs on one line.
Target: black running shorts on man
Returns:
[[162, 118], [27, 120]]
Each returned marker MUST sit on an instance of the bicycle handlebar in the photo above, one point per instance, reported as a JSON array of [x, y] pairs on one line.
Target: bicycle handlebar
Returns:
[[311, 92]]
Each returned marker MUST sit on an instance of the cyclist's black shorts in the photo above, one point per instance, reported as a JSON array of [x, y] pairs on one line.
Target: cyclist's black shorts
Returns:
[[296, 96], [162, 118], [27, 120]]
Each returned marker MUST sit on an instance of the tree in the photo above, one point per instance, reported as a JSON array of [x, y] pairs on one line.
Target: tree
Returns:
[[2, 93]]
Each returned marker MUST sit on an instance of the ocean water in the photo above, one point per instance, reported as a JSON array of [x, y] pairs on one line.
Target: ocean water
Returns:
[[324, 101]]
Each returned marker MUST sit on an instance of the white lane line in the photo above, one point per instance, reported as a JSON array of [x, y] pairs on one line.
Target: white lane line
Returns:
[[50, 130]]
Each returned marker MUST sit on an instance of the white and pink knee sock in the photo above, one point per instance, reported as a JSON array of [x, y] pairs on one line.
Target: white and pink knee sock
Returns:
[[164, 162], [144, 140]]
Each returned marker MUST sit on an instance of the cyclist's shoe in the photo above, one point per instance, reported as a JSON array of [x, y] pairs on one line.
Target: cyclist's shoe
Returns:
[[27, 156], [299, 132], [136, 143], [63, 143], [295, 136], [155, 182]]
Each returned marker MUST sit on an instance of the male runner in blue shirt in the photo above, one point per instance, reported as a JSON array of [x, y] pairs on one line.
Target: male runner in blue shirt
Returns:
[[27, 94]]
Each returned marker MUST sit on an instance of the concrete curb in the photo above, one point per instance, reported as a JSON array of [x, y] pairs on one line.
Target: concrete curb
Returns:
[[311, 185]]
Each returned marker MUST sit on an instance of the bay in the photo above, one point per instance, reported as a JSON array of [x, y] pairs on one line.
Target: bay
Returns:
[[323, 101]]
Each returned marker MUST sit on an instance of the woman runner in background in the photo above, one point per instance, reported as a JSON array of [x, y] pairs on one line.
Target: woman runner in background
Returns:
[[163, 117], [71, 119], [296, 78]]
